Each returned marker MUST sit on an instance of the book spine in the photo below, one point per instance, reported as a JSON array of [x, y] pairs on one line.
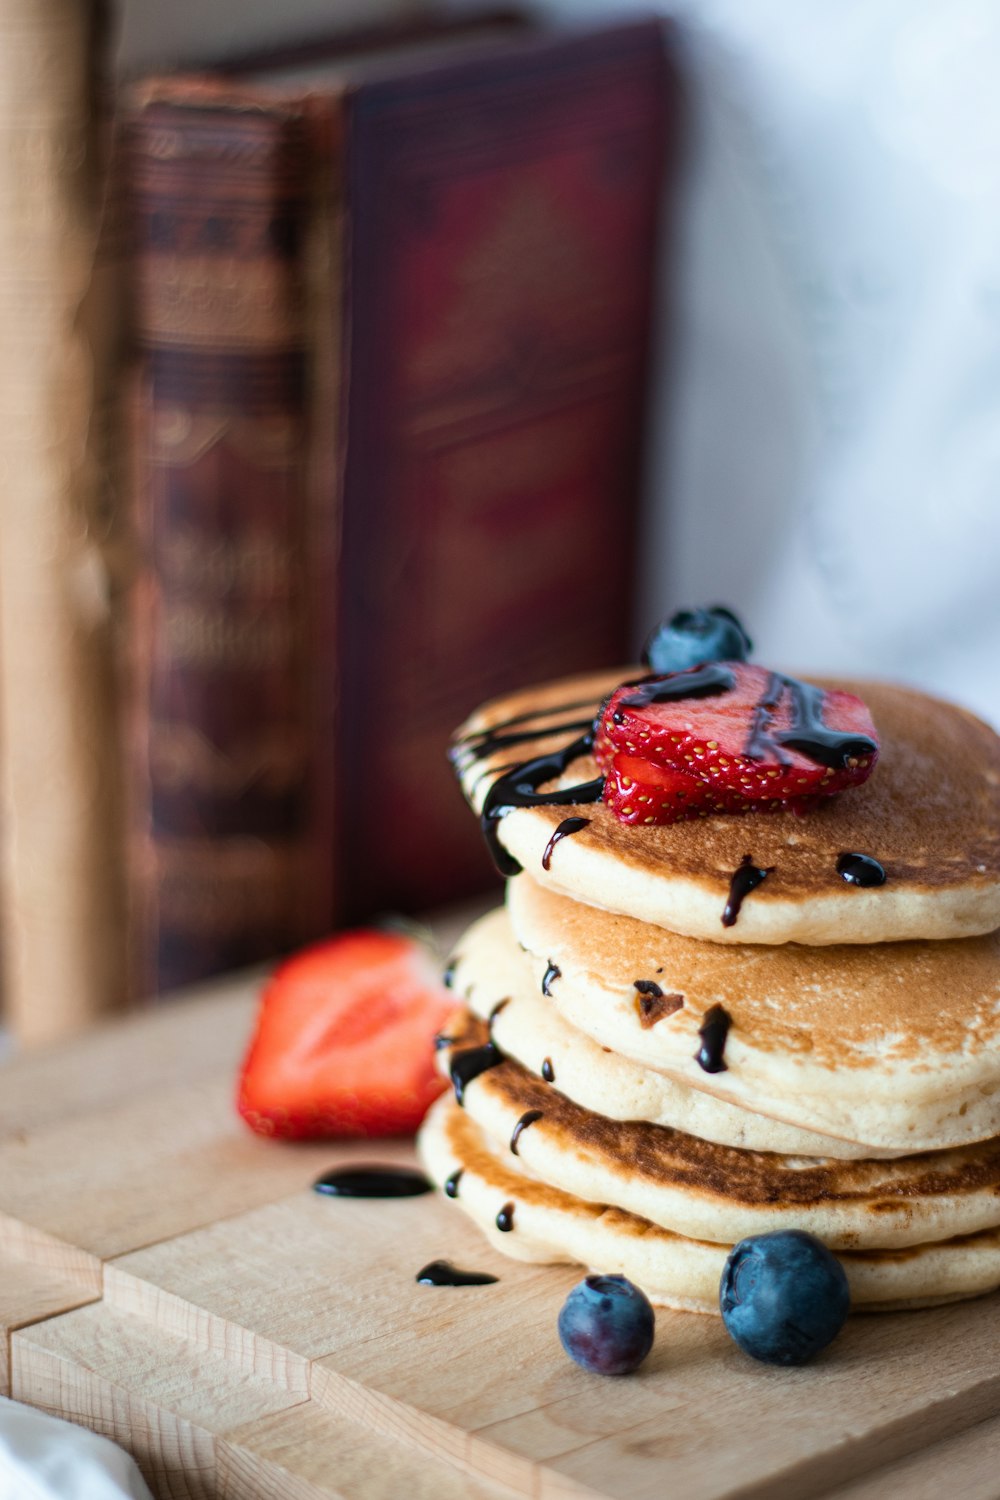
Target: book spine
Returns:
[[230, 825], [61, 893]]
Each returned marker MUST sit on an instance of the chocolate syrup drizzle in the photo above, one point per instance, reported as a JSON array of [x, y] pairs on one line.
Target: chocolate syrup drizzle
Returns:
[[807, 733], [373, 1181], [451, 1183], [834, 748], [505, 1218], [759, 742], [566, 827], [860, 869], [709, 681], [443, 1273], [528, 1118], [551, 973], [518, 785], [714, 1029], [472, 743], [469, 1064], [519, 788], [746, 879], [548, 1072]]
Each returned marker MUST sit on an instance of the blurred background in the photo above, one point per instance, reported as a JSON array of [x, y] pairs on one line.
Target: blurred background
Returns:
[[835, 313], [349, 383]]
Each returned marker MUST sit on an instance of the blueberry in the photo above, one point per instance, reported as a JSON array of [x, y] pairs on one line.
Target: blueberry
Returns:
[[693, 636], [784, 1297], [606, 1325]]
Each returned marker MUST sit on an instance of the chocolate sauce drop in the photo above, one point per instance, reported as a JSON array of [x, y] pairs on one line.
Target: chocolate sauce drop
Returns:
[[528, 1118], [505, 1218], [372, 1182], [860, 869], [552, 972], [442, 1042], [566, 827], [451, 1183], [443, 1273], [746, 879], [448, 977], [469, 1064], [548, 1072], [714, 1029]]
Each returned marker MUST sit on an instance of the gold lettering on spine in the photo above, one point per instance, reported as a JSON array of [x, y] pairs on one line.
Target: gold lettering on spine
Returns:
[[257, 566], [203, 636]]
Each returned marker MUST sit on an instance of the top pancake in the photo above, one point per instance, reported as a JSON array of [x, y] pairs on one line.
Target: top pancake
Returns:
[[930, 814]]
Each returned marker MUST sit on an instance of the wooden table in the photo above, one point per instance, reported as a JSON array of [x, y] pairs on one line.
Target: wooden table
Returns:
[[170, 1280]]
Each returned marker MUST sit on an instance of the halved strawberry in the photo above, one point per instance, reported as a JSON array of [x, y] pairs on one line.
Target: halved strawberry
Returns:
[[728, 737], [344, 1044]]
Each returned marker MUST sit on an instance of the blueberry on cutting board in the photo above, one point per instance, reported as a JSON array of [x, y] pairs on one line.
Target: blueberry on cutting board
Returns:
[[784, 1296], [606, 1325]]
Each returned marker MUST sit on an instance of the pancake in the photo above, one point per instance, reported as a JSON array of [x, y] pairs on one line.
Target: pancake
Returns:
[[930, 814], [493, 975], [896, 1047], [549, 1225], [705, 1191]]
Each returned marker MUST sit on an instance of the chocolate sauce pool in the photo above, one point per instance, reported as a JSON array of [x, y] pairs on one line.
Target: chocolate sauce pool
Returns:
[[443, 1273], [373, 1182]]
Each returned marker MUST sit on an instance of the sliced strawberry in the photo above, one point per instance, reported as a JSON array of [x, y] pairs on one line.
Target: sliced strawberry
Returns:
[[729, 737], [344, 1040], [640, 792]]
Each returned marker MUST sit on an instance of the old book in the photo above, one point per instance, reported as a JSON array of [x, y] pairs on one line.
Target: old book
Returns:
[[62, 897], [394, 316]]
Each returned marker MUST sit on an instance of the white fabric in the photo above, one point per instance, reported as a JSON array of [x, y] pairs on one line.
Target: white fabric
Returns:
[[851, 457], [829, 444], [43, 1458]]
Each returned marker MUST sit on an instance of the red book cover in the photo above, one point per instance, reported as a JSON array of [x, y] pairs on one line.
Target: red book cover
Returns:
[[394, 334], [501, 249]]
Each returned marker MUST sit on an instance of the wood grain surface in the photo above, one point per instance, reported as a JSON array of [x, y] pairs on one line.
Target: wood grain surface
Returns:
[[172, 1282]]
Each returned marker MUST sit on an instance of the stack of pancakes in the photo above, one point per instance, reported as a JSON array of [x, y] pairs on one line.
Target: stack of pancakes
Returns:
[[638, 1086]]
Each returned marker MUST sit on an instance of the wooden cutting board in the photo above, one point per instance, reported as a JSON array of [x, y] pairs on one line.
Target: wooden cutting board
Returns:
[[170, 1280]]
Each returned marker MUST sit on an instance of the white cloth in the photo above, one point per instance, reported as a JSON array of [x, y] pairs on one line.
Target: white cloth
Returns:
[[836, 448], [43, 1458], [829, 445]]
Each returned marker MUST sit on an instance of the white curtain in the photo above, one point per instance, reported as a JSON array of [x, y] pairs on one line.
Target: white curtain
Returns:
[[828, 449]]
